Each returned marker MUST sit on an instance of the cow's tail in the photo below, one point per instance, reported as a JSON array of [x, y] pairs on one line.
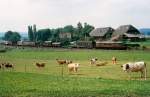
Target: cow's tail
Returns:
[[145, 70]]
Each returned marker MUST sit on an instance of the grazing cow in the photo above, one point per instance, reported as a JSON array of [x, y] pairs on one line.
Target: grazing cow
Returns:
[[114, 60], [93, 61], [2, 65], [136, 67], [73, 67], [7, 65], [61, 62], [40, 65], [68, 61], [101, 64]]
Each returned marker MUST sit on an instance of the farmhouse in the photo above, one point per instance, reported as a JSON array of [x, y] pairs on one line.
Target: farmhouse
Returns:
[[100, 34], [64, 35], [127, 32]]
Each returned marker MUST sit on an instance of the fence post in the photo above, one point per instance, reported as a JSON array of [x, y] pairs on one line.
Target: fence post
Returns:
[[62, 70], [25, 68]]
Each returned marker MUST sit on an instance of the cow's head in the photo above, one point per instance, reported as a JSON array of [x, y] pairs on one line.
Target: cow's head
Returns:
[[77, 65], [125, 67], [93, 59]]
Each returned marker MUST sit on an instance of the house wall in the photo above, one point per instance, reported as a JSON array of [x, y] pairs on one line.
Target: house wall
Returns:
[[65, 35]]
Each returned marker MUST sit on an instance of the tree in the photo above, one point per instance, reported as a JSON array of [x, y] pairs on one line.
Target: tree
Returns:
[[30, 33], [56, 33], [12, 36], [79, 29], [34, 33], [86, 30], [68, 28], [43, 35], [8, 35]]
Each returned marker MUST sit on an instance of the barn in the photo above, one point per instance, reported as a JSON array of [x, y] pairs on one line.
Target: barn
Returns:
[[110, 45], [84, 44], [127, 32], [101, 34]]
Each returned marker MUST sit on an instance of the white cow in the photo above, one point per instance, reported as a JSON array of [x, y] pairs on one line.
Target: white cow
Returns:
[[136, 67], [73, 67]]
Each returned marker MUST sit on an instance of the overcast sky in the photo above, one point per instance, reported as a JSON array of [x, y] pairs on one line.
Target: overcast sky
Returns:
[[16, 15]]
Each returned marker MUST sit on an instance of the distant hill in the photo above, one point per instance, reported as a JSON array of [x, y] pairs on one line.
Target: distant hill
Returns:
[[1, 34], [145, 31], [24, 34]]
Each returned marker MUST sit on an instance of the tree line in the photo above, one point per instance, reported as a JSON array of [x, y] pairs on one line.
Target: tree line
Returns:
[[80, 32], [14, 37]]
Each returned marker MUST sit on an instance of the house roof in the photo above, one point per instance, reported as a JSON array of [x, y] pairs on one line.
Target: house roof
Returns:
[[101, 31], [134, 35], [128, 29]]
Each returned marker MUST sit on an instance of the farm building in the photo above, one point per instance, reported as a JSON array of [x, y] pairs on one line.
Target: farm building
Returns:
[[110, 45], [56, 44], [26, 43], [47, 43], [63, 35], [100, 34], [128, 32], [84, 44], [6, 42]]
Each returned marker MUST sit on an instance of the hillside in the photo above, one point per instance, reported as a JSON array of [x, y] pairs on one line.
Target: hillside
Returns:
[[145, 31]]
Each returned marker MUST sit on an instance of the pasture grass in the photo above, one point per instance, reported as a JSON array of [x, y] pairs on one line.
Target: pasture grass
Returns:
[[26, 80], [15, 84]]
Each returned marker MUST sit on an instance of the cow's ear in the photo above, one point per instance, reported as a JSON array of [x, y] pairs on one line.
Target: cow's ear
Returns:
[[121, 65], [127, 66]]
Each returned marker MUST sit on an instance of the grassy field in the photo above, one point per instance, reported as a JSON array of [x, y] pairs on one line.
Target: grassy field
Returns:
[[26, 80]]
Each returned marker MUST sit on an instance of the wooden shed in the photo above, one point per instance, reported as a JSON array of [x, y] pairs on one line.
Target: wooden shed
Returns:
[[110, 45], [26, 43], [56, 44], [47, 43], [6, 43], [84, 44]]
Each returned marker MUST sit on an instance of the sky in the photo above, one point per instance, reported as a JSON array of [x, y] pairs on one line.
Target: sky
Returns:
[[16, 15]]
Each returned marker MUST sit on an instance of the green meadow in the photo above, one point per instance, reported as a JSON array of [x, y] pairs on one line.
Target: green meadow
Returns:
[[27, 80]]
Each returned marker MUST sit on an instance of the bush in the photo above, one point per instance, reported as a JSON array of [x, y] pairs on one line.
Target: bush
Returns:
[[65, 42], [2, 50], [144, 47]]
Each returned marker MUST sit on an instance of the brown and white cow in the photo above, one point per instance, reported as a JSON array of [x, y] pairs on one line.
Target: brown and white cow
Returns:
[[136, 67], [93, 61]]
